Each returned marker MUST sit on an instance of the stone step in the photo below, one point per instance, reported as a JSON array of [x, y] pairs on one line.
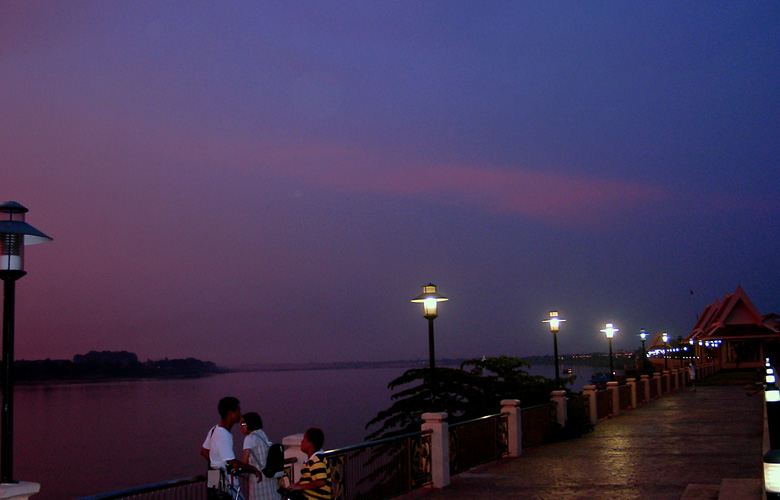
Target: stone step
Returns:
[[701, 492], [728, 489], [741, 489]]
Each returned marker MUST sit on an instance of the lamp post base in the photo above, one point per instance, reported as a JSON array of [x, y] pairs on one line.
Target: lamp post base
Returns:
[[18, 491]]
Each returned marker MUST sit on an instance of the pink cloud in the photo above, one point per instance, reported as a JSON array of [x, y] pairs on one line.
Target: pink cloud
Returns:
[[522, 192], [551, 196]]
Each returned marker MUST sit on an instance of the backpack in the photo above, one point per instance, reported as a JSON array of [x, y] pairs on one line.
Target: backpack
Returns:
[[274, 461]]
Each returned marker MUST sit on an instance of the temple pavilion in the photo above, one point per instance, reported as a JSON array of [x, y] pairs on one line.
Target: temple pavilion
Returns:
[[735, 334]]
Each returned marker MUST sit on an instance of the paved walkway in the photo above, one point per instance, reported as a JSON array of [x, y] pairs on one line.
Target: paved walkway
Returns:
[[651, 453]]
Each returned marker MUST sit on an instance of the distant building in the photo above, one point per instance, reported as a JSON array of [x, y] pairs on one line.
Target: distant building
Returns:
[[735, 334]]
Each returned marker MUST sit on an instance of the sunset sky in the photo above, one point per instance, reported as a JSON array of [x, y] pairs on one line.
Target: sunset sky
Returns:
[[259, 182]]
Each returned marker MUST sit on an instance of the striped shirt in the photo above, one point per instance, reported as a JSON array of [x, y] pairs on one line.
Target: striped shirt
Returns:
[[316, 469]]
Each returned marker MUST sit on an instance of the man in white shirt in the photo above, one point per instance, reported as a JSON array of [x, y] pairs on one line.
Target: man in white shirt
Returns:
[[218, 446]]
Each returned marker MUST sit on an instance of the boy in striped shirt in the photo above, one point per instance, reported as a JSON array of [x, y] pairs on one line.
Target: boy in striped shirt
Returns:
[[315, 474]]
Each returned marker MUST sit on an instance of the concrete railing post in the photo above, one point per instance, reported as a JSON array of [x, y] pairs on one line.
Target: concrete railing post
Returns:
[[514, 426], [615, 393], [631, 383], [589, 391], [440, 447], [18, 491], [658, 383], [675, 379], [292, 449], [646, 386], [559, 398]]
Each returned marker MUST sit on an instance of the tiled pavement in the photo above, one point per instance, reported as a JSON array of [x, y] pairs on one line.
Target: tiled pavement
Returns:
[[653, 452]]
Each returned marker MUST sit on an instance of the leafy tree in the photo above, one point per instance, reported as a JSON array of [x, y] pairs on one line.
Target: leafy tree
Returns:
[[471, 391]]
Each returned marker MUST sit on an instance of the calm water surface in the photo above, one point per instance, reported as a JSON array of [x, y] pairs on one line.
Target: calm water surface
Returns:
[[84, 439]]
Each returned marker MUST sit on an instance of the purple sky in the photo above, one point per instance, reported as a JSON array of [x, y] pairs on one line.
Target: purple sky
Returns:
[[254, 182]]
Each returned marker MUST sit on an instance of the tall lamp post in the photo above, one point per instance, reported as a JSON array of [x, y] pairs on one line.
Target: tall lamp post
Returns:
[[680, 350], [772, 457], [555, 323], [15, 233], [665, 338], [609, 331], [430, 299], [643, 337]]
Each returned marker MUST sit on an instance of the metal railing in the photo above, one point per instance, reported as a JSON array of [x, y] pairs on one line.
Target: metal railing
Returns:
[[603, 404], [641, 394], [381, 469], [477, 441], [193, 488], [538, 423], [624, 397], [577, 415]]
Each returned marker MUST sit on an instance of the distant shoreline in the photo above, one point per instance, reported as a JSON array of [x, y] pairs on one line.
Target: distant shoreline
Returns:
[[591, 359], [106, 366]]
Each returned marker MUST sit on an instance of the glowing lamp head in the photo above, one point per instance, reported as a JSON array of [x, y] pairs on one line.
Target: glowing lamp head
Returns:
[[430, 298], [609, 331], [772, 394], [665, 337], [643, 334], [770, 378], [555, 321], [772, 471]]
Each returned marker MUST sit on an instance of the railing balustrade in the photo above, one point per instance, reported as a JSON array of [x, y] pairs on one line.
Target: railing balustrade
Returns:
[[381, 469], [577, 415], [603, 404], [624, 393], [538, 423], [193, 488], [477, 441]]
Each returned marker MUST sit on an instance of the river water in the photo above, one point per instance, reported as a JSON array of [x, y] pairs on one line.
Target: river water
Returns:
[[84, 439]]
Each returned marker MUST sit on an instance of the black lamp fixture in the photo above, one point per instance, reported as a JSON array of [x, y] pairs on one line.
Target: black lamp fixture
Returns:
[[665, 338], [643, 338], [15, 234], [555, 324], [430, 299], [609, 331]]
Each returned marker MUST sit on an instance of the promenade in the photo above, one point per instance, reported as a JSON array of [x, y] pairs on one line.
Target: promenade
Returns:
[[684, 440]]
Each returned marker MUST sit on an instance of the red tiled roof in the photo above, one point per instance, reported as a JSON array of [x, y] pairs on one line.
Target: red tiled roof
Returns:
[[735, 317]]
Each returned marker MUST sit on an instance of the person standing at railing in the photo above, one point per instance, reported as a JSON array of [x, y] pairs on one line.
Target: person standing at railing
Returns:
[[692, 375], [218, 450], [256, 445], [315, 473]]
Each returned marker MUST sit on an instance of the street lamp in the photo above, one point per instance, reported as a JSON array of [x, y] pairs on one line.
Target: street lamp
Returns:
[[643, 337], [430, 299], [555, 323], [14, 235], [772, 457], [665, 338], [609, 331], [680, 350]]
